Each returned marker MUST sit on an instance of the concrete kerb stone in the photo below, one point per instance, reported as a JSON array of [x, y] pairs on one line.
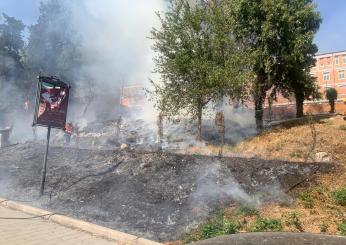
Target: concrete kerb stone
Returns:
[[96, 230], [28, 209]]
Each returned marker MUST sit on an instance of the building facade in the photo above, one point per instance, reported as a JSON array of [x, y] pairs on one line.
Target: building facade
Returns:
[[330, 72]]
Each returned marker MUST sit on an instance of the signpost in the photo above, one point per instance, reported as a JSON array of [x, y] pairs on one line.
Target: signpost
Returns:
[[50, 111]]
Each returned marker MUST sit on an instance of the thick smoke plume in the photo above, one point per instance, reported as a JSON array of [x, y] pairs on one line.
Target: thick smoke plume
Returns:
[[115, 48]]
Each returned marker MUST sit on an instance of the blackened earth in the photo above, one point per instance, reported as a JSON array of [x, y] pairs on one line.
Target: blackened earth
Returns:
[[159, 196]]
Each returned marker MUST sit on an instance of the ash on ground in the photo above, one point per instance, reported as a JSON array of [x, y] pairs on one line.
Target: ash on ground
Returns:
[[155, 195], [141, 134]]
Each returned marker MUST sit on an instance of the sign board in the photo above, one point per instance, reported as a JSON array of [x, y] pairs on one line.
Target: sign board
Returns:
[[51, 102]]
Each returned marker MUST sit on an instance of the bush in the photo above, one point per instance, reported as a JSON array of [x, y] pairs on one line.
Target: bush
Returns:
[[342, 127], [320, 190], [339, 196], [306, 199], [324, 227], [263, 224], [217, 228], [331, 96], [212, 228], [342, 228], [292, 219], [247, 211], [297, 153]]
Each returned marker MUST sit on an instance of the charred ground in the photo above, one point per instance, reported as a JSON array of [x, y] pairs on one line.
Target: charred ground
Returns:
[[155, 195]]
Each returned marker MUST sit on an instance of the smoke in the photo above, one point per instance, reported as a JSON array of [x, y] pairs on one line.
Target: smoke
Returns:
[[115, 51], [114, 34], [216, 184], [115, 48]]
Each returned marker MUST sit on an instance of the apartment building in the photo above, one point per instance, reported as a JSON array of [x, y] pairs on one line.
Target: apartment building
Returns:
[[330, 72]]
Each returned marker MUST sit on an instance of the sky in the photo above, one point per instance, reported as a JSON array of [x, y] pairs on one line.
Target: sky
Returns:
[[331, 36]]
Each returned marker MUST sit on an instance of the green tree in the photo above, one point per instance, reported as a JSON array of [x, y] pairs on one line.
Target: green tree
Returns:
[[197, 60], [11, 67], [331, 95], [298, 51], [11, 48], [53, 43], [265, 28]]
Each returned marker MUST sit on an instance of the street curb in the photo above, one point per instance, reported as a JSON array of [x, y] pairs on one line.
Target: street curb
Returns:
[[63, 220]]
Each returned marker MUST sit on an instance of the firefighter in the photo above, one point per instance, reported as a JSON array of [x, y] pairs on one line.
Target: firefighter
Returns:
[[68, 132]]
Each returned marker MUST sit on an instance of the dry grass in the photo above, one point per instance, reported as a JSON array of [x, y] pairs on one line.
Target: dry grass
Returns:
[[292, 144], [295, 144]]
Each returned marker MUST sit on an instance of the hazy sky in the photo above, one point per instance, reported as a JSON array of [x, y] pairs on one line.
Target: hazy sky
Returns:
[[331, 36]]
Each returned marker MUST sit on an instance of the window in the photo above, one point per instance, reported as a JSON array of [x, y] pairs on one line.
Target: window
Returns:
[[326, 76], [341, 75], [337, 60]]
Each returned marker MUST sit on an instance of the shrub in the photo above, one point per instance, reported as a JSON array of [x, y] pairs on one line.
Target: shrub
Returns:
[[331, 96], [297, 153], [263, 224], [339, 196], [229, 227], [342, 127], [212, 228], [320, 189], [342, 228], [247, 211], [306, 199], [217, 228], [292, 219], [324, 227]]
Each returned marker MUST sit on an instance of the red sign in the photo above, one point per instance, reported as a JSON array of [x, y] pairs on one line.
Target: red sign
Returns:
[[52, 102]]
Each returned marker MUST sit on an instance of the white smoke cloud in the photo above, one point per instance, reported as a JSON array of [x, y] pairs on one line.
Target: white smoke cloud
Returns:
[[114, 38]]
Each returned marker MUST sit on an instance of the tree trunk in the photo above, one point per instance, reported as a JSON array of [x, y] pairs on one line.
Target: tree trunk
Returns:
[[332, 106], [260, 95], [160, 130], [199, 123], [259, 112], [299, 104]]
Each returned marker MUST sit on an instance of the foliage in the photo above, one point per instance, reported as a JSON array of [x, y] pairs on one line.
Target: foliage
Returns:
[[247, 211], [339, 196], [306, 199], [53, 44], [331, 96], [299, 50], [11, 47], [342, 228], [197, 59], [12, 72], [323, 227], [212, 228], [279, 36], [342, 127], [297, 153], [266, 224], [293, 219]]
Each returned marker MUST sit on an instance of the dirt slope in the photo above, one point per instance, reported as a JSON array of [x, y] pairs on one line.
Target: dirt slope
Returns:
[[158, 196]]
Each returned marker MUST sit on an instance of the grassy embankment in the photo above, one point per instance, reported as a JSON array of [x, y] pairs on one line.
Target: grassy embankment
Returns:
[[320, 205]]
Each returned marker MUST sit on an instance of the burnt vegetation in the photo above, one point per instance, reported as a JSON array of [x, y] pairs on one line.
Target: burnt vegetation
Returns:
[[177, 172]]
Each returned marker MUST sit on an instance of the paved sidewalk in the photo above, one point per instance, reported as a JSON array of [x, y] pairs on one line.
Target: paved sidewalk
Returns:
[[41, 232]]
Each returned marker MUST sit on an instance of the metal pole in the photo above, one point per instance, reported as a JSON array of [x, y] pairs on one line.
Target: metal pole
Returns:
[[44, 167]]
